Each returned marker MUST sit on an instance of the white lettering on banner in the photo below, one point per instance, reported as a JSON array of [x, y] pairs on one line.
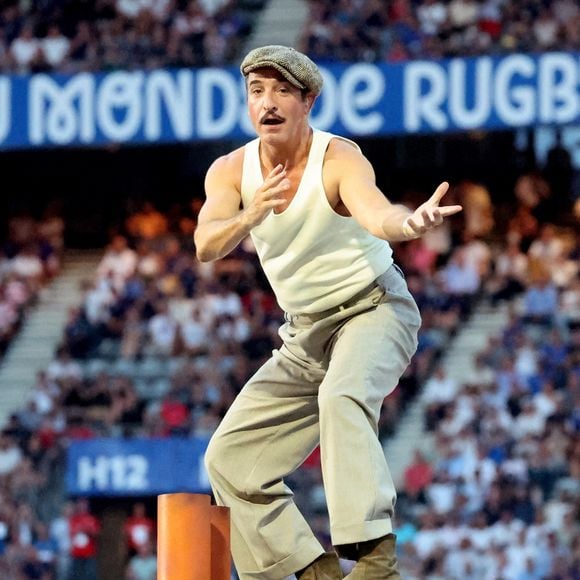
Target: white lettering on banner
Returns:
[[354, 98], [481, 109], [559, 99], [176, 94], [419, 108], [120, 105], [52, 113], [208, 124], [5, 108], [118, 473], [93, 473], [515, 106], [463, 94], [521, 90]]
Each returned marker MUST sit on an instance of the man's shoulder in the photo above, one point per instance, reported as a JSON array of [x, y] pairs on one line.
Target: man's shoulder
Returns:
[[235, 157], [229, 164], [342, 157], [339, 144], [341, 149]]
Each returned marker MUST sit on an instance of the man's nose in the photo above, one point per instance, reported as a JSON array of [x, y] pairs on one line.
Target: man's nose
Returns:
[[269, 104]]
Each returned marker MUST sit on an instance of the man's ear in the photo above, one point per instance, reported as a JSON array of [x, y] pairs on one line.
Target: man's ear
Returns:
[[310, 99]]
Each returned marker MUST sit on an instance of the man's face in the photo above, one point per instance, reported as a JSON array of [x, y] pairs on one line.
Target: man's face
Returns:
[[277, 108]]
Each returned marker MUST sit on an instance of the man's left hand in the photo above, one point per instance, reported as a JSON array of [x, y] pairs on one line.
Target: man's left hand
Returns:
[[429, 215]]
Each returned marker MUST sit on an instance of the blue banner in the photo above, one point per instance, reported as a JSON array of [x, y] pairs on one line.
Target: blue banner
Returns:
[[168, 106], [136, 467]]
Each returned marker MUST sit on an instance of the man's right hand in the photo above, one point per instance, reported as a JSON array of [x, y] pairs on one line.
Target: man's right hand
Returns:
[[221, 226], [268, 197]]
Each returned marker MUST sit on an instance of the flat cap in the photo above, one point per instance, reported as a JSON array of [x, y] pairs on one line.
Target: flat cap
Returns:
[[295, 66]]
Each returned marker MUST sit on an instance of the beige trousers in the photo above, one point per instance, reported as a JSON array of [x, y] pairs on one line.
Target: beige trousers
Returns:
[[325, 385]]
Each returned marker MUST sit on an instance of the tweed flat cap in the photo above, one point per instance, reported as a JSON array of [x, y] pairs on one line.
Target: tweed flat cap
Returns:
[[295, 66]]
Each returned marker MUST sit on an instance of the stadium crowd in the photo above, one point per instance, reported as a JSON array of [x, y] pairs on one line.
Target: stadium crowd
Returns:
[[398, 30], [73, 35], [160, 344], [500, 498], [30, 258]]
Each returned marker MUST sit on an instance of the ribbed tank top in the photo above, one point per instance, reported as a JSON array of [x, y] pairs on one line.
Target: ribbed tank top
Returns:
[[314, 258]]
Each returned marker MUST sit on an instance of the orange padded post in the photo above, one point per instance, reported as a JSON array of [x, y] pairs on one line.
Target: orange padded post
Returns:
[[221, 562], [184, 537], [193, 538]]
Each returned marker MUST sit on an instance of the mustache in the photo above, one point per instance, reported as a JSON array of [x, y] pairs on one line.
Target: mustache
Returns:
[[271, 117]]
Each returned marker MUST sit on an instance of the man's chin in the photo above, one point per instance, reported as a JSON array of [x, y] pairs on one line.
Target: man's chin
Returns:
[[273, 129], [272, 133]]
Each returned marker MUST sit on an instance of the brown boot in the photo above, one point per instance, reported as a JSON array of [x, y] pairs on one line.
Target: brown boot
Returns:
[[375, 559], [325, 567]]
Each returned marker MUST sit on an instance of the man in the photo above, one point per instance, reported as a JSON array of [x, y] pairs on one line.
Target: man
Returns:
[[321, 228]]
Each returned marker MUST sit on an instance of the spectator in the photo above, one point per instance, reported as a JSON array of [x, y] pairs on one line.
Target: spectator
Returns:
[[10, 456], [24, 524], [9, 318], [418, 476], [64, 367], [462, 14], [28, 265], [99, 297], [477, 207], [60, 530], [148, 223], [509, 272], [133, 334], [175, 415], [540, 301], [54, 47], [118, 263], [84, 531], [163, 331], [432, 16], [139, 530], [547, 246], [26, 482], [44, 393], [125, 409], [25, 51], [195, 336], [523, 225], [143, 565], [83, 49], [46, 548], [461, 280], [439, 390], [545, 29]]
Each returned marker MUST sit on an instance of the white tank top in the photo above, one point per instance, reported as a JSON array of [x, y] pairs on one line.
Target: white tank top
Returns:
[[314, 258]]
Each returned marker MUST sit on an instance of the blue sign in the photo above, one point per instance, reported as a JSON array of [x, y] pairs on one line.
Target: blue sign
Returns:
[[163, 106], [136, 467]]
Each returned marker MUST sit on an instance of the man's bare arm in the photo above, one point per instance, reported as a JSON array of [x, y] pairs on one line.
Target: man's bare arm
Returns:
[[222, 225], [358, 191]]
